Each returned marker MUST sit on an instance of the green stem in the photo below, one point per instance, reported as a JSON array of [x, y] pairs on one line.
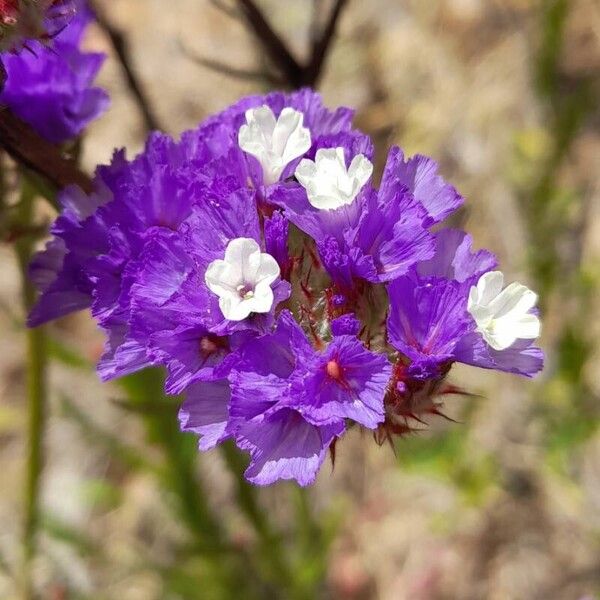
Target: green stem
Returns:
[[36, 399], [270, 541], [180, 477], [312, 547]]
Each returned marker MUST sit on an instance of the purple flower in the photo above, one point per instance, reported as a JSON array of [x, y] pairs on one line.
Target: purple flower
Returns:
[[420, 175], [21, 21], [372, 235], [429, 319], [346, 325], [283, 445], [253, 257], [177, 316], [289, 401], [344, 381], [276, 130], [146, 212], [51, 87]]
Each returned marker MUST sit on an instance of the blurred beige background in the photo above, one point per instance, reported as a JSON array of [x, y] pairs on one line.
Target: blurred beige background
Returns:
[[498, 505]]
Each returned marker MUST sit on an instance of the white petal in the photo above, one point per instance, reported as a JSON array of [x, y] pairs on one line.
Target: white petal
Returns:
[[290, 138], [243, 254], [220, 279], [263, 119], [528, 327], [478, 311], [501, 338], [255, 136], [268, 270], [306, 171], [243, 279], [263, 298], [503, 316], [489, 286], [515, 299], [234, 308]]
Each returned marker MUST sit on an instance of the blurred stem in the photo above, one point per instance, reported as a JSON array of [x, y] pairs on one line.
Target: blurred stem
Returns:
[[311, 543], [568, 101], [271, 547], [36, 394], [180, 477]]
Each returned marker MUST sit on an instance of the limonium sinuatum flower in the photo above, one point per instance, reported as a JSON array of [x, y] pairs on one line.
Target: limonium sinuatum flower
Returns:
[[288, 296], [51, 86]]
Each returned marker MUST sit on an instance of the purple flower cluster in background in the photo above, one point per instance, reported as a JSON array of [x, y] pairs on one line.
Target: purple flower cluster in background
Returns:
[[49, 86], [288, 297]]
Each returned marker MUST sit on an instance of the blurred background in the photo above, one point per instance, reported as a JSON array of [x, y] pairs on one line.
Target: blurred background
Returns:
[[503, 503]]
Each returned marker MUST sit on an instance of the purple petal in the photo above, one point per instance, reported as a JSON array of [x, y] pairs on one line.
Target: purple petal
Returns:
[[420, 175], [454, 259], [522, 358], [205, 412], [427, 318], [354, 389], [285, 446], [346, 325]]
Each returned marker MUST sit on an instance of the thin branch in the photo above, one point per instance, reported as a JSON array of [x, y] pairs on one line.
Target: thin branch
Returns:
[[229, 11], [27, 148], [121, 47], [224, 69], [37, 398], [315, 22], [272, 44], [322, 46]]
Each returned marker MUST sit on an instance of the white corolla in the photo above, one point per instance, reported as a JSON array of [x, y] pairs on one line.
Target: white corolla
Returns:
[[243, 279], [328, 182], [503, 315], [274, 142]]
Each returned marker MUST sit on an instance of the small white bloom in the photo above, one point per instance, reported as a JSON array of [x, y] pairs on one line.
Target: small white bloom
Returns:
[[503, 316], [328, 183], [274, 142], [243, 279]]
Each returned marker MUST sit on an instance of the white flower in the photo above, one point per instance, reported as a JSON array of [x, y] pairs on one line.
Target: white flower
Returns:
[[328, 183], [503, 316], [274, 142], [243, 279]]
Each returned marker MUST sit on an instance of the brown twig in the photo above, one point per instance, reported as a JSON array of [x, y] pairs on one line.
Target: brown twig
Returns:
[[294, 73], [121, 47], [278, 52], [27, 148], [314, 70], [229, 11], [224, 69]]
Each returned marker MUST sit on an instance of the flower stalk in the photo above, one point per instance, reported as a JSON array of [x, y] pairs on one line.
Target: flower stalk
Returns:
[[37, 394]]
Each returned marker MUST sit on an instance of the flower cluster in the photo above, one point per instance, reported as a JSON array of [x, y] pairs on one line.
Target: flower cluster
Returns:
[[24, 20], [50, 87], [287, 296]]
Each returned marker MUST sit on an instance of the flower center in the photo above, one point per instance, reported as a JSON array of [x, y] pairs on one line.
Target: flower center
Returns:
[[208, 346], [245, 291], [333, 369]]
